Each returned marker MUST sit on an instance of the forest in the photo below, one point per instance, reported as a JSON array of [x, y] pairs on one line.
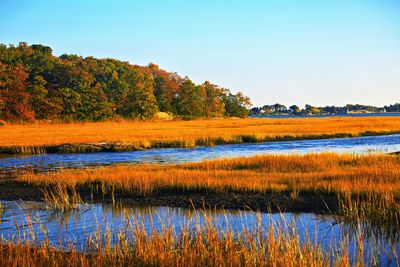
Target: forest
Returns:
[[37, 85]]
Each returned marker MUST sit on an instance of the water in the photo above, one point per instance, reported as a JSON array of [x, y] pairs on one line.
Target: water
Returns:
[[75, 227], [49, 162]]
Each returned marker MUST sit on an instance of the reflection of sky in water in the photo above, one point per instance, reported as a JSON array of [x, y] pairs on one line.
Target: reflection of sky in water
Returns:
[[386, 144], [75, 227]]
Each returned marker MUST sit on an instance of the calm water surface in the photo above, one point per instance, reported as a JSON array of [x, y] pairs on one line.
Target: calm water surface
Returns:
[[75, 227], [49, 162]]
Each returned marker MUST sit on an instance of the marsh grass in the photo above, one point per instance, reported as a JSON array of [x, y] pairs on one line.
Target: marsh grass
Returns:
[[380, 212], [277, 244], [132, 135], [319, 173], [366, 186], [62, 197]]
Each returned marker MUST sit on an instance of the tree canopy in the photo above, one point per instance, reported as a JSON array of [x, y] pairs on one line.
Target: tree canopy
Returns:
[[35, 84]]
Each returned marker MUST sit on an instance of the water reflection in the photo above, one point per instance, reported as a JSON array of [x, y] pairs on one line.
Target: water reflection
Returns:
[[75, 227], [51, 162]]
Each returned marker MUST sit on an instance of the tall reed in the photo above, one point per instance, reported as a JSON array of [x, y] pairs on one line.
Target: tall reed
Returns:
[[62, 197], [279, 244]]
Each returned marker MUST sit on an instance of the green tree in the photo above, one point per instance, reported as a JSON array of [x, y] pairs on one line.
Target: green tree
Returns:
[[236, 105], [294, 109], [38, 98], [81, 96], [191, 99], [140, 101]]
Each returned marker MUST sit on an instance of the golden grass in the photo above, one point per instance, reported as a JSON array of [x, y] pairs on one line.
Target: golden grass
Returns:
[[62, 198], [328, 172], [149, 134], [276, 245]]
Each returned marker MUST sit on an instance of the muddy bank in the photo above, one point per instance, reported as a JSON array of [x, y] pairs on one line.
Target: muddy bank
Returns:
[[70, 148], [269, 201]]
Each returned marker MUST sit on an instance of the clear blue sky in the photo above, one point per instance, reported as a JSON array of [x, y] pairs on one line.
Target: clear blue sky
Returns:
[[317, 52]]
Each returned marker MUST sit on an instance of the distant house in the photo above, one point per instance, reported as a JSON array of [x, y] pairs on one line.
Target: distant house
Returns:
[[382, 110], [343, 111], [278, 108]]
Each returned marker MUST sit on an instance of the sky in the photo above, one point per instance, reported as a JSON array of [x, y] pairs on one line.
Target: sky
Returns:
[[318, 52]]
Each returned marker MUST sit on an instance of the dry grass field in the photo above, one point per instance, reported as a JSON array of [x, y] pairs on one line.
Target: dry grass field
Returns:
[[331, 173], [148, 134]]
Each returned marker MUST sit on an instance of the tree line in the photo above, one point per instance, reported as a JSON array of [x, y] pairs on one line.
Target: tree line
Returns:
[[35, 84], [309, 109]]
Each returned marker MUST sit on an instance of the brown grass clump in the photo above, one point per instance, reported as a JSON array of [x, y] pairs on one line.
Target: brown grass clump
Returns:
[[62, 197]]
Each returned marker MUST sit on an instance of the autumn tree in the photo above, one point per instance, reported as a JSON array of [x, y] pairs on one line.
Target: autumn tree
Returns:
[[13, 96], [213, 105], [37, 84], [166, 89], [82, 98]]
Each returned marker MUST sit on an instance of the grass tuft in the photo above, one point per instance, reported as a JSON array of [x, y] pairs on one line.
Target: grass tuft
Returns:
[[62, 197]]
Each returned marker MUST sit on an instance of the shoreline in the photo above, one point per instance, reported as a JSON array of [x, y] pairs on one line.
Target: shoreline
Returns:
[[301, 183], [71, 148], [309, 202]]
